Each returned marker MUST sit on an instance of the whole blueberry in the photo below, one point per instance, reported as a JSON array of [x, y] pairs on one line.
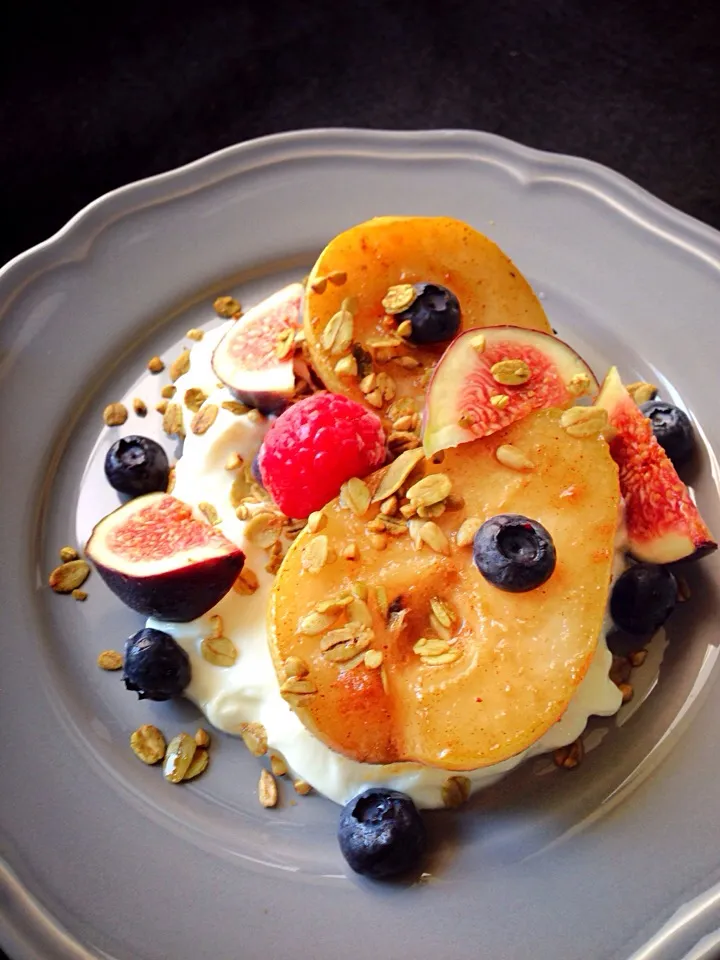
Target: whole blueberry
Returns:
[[672, 428], [642, 598], [434, 314], [155, 666], [137, 465], [514, 553], [381, 833]]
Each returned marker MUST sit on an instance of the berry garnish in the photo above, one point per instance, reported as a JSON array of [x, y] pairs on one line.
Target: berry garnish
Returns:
[[434, 314], [514, 553], [155, 666], [381, 833], [137, 465], [672, 428], [642, 598], [314, 447]]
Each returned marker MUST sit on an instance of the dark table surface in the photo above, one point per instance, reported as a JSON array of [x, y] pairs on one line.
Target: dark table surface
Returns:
[[101, 96], [97, 97]]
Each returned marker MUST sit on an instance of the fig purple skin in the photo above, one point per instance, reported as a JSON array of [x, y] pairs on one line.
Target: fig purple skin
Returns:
[[160, 560], [250, 359]]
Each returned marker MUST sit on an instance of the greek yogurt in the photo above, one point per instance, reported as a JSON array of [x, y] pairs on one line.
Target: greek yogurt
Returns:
[[248, 691]]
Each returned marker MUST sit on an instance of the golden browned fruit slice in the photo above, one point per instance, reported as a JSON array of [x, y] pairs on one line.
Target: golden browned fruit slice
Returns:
[[432, 663], [345, 318]]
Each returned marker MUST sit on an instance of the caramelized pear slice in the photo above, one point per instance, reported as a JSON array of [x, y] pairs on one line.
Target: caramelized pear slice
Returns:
[[429, 662]]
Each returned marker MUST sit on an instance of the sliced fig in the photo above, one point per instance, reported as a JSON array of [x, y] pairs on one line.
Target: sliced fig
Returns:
[[159, 560], [663, 523], [489, 378], [255, 357], [346, 302]]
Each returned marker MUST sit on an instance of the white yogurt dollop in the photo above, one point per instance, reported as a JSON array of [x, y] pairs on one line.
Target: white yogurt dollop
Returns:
[[248, 691]]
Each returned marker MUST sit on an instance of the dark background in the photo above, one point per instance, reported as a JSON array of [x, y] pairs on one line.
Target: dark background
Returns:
[[98, 96]]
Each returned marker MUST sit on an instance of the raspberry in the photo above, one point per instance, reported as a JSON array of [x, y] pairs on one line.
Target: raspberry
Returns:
[[314, 447]]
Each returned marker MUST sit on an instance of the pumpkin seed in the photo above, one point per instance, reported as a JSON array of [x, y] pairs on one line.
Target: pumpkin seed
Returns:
[[69, 576], [194, 398], [337, 336], [582, 422], [254, 737], [432, 535], [513, 458], [180, 365], [148, 744], [399, 298], [267, 790], [466, 534], [510, 373], [430, 647], [443, 611], [430, 490], [198, 764], [315, 554], [115, 414], [219, 651], [356, 496], [396, 474], [178, 757], [314, 623], [455, 791]]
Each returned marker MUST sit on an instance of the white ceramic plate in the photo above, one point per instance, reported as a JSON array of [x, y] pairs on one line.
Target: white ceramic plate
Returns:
[[101, 857]]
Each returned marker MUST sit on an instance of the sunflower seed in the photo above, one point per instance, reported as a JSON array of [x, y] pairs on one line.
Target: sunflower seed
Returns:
[[285, 344], [314, 623], [148, 744], [209, 512], [414, 528], [441, 659], [178, 757], [267, 790], [381, 602], [582, 422], [359, 612], [69, 576], [315, 554], [374, 398], [513, 458], [432, 535], [510, 373], [431, 512], [335, 604], [295, 668], [254, 737], [466, 534], [430, 490], [396, 474], [443, 611], [298, 687], [430, 647], [346, 367]]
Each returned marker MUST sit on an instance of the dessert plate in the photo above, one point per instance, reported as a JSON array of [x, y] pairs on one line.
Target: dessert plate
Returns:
[[100, 857]]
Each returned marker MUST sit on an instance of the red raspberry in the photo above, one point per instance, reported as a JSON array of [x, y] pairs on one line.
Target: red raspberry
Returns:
[[314, 447]]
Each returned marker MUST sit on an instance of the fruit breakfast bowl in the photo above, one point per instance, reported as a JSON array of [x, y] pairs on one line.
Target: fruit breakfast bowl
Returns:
[[450, 664]]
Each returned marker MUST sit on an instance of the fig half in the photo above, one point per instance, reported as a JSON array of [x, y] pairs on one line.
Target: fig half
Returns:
[[159, 560], [255, 357], [491, 377], [663, 523]]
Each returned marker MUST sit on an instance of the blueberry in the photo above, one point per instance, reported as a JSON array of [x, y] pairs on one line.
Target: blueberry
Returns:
[[137, 465], [643, 597], [156, 666], [434, 314], [514, 553], [381, 833], [672, 428]]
